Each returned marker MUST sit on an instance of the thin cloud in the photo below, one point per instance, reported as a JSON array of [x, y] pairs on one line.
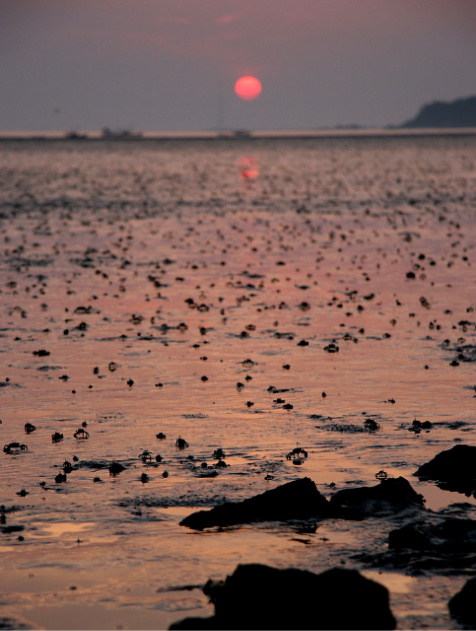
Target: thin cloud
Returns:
[[227, 19]]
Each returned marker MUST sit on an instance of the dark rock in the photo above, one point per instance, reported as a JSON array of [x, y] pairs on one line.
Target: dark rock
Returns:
[[297, 452], [261, 597], [145, 456], [115, 468], [8, 530], [389, 496], [299, 499], [417, 426], [371, 426], [448, 537], [440, 543], [410, 536], [462, 607], [453, 469], [41, 353], [81, 434], [14, 448], [466, 353]]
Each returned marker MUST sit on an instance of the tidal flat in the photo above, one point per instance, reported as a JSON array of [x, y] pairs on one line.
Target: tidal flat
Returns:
[[162, 301]]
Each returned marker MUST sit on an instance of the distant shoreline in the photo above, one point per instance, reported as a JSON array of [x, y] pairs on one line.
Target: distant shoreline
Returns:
[[239, 135]]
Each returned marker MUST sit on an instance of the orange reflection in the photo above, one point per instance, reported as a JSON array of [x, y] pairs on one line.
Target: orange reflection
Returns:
[[249, 170]]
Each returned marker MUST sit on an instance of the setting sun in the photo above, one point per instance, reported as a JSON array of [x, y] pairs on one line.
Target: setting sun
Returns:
[[248, 88]]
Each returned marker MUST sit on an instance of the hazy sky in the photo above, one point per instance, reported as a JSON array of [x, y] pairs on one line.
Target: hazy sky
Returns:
[[172, 64]]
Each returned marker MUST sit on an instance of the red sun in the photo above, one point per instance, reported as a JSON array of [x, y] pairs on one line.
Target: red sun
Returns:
[[248, 88]]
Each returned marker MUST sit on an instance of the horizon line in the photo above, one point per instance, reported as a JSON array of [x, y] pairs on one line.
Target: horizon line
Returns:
[[127, 135]]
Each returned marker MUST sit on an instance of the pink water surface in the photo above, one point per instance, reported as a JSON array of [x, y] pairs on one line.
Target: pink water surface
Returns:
[[143, 268]]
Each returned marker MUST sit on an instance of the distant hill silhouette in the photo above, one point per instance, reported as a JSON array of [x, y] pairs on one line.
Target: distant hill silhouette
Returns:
[[458, 113]]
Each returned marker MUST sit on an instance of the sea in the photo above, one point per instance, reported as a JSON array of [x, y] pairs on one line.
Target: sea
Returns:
[[165, 299]]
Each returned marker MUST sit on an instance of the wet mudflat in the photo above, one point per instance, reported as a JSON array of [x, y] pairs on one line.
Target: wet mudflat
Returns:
[[189, 324]]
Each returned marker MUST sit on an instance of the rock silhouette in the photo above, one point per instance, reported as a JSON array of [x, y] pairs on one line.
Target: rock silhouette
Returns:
[[453, 469], [261, 597], [299, 499], [447, 537], [461, 606], [390, 495]]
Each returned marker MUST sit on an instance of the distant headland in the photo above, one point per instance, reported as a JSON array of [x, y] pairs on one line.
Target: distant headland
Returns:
[[458, 113]]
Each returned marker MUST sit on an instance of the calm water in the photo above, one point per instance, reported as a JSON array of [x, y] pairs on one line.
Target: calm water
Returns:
[[158, 277]]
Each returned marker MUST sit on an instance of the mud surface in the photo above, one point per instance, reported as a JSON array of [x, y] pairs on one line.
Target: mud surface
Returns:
[[173, 328]]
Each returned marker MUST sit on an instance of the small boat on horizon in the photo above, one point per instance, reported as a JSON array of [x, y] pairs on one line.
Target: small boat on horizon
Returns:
[[236, 133], [74, 135], [119, 134]]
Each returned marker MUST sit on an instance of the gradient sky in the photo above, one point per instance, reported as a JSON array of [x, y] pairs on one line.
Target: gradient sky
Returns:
[[172, 64]]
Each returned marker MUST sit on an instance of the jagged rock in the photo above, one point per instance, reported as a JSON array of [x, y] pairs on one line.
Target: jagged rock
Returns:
[[449, 536], [453, 469], [299, 499], [442, 542], [410, 536], [261, 597], [462, 605], [389, 496]]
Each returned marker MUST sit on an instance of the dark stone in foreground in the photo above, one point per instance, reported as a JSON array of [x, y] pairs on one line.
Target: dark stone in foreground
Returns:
[[391, 495], [299, 499], [454, 469], [261, 597], [462, 605]]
